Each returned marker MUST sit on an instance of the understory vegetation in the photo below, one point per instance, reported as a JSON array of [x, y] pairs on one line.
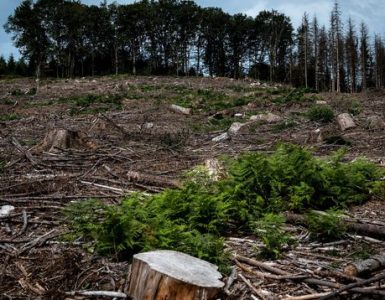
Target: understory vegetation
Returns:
[[257, 189]]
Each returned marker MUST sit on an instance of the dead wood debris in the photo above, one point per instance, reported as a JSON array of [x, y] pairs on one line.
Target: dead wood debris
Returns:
[[118, 156]]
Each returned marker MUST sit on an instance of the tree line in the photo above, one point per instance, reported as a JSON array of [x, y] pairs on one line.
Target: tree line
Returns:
[[65, 38]]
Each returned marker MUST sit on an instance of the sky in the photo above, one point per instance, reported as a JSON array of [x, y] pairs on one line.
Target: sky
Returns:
[[372, 12]]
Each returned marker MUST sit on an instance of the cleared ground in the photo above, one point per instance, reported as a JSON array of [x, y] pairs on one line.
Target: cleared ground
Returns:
[[125, 124]]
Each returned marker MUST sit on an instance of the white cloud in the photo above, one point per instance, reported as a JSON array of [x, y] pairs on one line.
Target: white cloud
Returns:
[[295, 9]]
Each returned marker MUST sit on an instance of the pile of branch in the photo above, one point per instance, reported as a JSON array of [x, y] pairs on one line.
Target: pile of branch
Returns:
[[264, 271]]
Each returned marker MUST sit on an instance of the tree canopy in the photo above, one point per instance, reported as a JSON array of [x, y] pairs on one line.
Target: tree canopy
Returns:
[[65, 38]]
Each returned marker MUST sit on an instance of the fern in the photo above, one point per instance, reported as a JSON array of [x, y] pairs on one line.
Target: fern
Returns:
[[194, 218]]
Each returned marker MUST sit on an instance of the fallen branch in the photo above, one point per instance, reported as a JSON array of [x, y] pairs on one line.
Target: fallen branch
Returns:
[[351, 225], [311, 281], [353, 285], [26, 153], [258, 292], [151, 179], [97, 294], [306, 297]]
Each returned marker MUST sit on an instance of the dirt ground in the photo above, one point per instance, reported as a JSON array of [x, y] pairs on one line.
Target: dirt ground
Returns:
[[142, 134]]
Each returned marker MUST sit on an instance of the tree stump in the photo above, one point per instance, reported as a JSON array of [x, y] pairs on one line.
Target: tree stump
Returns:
[[163, 274], [345, 121], [61, 139]]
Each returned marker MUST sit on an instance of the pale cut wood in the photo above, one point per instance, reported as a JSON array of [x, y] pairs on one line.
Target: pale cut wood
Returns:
[[171, 275], [372, 264], [180, 109]]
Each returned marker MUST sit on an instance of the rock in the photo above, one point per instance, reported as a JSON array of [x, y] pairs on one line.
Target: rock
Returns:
[[6, 210], [180, 109], [223, 137], [375, 123], [172, 275], [345, 121], [268, 118]]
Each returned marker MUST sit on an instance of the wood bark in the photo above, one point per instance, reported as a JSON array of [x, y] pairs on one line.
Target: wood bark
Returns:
[[345, 121], [163, 274], [351, 225], [152, 179], [366, 266]]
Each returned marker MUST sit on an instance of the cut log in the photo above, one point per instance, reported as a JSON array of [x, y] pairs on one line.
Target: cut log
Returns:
[[180, 109], [268, 118], [366, 266], [345, 121], [220, 138], [171, 275], [351, 225], [151, 179]]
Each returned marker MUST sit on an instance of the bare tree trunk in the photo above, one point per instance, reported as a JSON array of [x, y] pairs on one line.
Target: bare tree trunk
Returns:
[[134, 61], [116, 60], [38, 74]]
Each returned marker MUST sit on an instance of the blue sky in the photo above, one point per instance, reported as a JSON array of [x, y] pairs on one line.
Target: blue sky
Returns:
[[371, 12]]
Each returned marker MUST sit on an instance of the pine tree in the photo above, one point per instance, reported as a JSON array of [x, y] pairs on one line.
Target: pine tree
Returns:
[[336, 43], [315, 42], [351, 48], [3, 66], [364, 56]]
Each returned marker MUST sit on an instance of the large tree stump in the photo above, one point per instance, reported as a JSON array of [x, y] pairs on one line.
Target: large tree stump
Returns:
[[61, 139], [173, 275], [345, 121]]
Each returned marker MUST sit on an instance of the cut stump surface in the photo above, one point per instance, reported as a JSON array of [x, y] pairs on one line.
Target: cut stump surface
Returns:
[[173, 275]]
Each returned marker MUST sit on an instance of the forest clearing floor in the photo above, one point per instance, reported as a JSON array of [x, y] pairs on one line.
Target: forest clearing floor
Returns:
[[123, 125]]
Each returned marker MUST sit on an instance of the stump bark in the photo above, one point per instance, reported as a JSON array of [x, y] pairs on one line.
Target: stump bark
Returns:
[[163, 274], [60, 139]]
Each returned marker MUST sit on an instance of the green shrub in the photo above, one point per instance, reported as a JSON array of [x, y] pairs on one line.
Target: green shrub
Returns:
[[92, 104], [9, 117], [355, 107], [32, 91], [321, 114], [185, 219], [294, 96], [326, 226], [287, 124], [269, 230], [7, 101], [2, 165], [194, 217], [17, 92]]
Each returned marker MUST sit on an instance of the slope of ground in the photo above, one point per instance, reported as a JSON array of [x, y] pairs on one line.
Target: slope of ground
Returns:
[[119, 126]]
